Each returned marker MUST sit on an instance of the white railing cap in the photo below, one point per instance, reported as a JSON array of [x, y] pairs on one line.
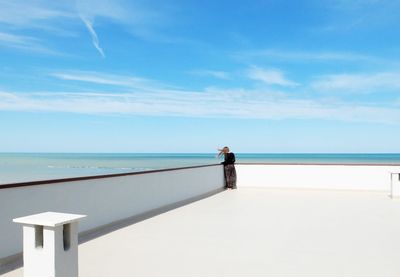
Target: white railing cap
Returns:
[[49, 219]]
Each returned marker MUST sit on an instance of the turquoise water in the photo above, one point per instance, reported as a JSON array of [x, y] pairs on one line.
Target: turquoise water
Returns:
[[18, 167]]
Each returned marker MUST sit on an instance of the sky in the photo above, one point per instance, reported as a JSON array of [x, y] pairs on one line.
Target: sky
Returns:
[[272, 76]]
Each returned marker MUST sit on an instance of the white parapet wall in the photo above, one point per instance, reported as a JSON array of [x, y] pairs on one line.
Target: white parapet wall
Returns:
[[341, 177], [103, 200], [109, 199]]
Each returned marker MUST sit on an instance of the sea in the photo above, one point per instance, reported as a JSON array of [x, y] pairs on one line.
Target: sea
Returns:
[[23, 167]]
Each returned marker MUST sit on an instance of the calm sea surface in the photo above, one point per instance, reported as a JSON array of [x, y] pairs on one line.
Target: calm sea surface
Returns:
[[28, 167]]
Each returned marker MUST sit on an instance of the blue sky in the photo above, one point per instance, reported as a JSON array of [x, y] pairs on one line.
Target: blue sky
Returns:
[[190, 76]]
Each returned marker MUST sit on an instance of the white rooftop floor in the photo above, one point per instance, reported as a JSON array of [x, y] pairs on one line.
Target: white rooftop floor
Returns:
[[256, 232]]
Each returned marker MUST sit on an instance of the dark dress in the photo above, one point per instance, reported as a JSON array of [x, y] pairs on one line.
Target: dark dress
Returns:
[[230, 171]]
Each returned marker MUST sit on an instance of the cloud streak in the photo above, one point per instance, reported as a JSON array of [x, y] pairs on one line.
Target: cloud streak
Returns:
[[121, 81], [60, 17], [32, 14], [15, 39], [25, 43], [89, 10], [39, 18], [139, 19], [270, 77], [211, 73], [214, 103], [307, 56], [134, 95], [95, 38], [358, 83]]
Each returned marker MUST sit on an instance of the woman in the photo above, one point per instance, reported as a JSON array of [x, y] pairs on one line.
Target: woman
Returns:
[[229, 167]]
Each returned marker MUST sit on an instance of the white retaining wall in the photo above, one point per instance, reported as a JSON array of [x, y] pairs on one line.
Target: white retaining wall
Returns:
[[347, 177], [103, 200]]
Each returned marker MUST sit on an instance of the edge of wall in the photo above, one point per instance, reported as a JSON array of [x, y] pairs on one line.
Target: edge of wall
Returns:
[[91, 177]]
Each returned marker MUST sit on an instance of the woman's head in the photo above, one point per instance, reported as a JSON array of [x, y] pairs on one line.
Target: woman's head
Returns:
[[223, 151]]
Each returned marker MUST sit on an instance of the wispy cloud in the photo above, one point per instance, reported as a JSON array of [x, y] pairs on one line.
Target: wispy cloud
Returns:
[[138, 96], [125, 81], [306, 56], [211, 73], [95, 39], [358, 83], [270, 77], [26, 43], [196, 104], [117, 10], [33, 18], [61, 17], [139, 20], [89, 10], [16, 39], [32, 14]]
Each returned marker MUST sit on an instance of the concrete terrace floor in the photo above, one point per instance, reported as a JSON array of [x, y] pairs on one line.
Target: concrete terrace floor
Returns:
[[256, 232]]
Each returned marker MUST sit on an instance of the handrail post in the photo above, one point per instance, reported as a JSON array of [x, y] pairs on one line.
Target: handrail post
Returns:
[[394, 184], [50, 244]]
